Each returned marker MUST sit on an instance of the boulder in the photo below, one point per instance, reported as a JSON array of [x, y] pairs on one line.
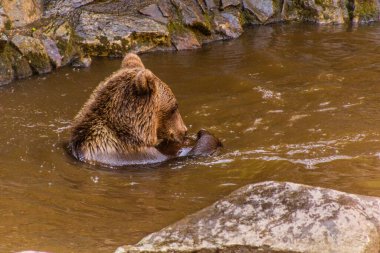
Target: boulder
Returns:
[[228, 24], [185, 40], [20, 63], [274, 217], [264, 10], [34, 51], [105, 34], [21, 12]]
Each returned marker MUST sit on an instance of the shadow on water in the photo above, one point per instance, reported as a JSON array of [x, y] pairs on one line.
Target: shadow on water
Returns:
[[290, 103]]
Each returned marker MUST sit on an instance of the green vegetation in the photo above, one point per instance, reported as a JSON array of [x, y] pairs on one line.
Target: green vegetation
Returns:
[[365, 10]]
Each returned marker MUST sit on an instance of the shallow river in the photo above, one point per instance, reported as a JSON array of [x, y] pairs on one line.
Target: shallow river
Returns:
[[297, 103]]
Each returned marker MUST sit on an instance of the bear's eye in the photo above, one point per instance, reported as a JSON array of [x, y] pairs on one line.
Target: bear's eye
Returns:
[[174, 109]]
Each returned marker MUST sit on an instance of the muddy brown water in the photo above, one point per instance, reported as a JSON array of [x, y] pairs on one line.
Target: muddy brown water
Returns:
[[297, 103]]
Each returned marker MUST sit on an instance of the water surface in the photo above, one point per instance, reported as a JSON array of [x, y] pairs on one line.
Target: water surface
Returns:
[[295, 103]]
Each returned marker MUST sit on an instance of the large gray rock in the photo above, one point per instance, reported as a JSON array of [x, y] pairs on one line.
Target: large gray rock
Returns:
[[21, 12], [274, 217], [104, 34], [262, 9], [228, 24]]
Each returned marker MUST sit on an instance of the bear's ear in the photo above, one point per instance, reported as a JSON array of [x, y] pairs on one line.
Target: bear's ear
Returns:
[[132, 61], [144, 82]]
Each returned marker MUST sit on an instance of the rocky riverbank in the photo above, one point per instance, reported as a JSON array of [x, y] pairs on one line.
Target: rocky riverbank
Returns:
[[38, 36]]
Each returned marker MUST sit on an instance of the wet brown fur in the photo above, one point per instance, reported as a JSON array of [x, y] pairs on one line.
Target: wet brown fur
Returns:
[[125, 117]]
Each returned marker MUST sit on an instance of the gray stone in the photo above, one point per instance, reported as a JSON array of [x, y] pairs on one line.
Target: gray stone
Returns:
[[226, 3], [210, 4], [22, 12], [34, 51], [262, 9], [165, 7], [274, 217], [228, 24], [155, 13], [63, 7], [192, 16], [53, 52], [103, 34], [185, 40]]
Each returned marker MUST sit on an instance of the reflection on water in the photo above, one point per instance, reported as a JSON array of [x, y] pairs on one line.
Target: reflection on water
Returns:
[[290, 102]]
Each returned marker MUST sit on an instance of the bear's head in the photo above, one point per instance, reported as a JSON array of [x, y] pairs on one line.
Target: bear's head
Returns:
[[138, 106]]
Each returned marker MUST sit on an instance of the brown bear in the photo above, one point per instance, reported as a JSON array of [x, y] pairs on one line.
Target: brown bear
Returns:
[[127, 116]]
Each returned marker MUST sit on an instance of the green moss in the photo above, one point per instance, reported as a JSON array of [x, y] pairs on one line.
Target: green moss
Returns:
[[176, 27], [365, 10], [67, 43], [8, 25], [324, 3], [20, 65]]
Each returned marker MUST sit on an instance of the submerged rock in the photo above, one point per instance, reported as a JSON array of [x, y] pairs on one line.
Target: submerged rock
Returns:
[[82, 62], [274, 217]]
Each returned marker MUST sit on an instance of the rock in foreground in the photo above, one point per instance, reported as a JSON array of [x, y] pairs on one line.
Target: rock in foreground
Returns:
[[274, 217]]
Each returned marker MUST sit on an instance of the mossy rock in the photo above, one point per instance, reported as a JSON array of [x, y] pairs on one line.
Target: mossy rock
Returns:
[[66, 42], [6, 70], [365, 11], [18, 62], [34, 52]]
